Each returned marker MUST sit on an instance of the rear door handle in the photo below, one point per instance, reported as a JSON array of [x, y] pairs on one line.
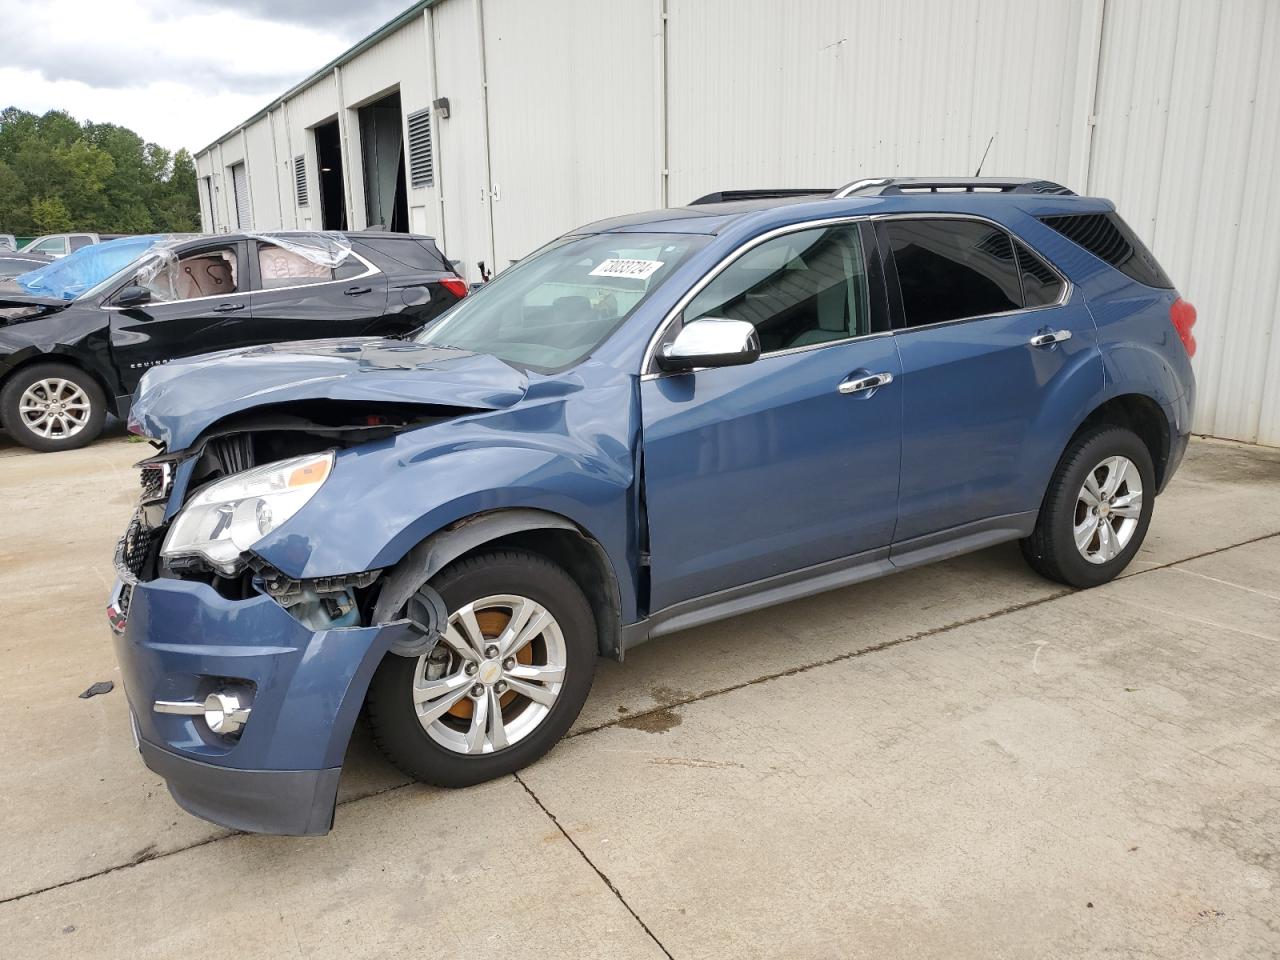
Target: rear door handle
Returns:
[[869, 382], [1050, 338], [228, 307], [356, 291]]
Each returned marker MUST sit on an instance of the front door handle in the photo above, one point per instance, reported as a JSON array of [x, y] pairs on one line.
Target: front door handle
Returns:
[[228, 307], [356, 291], [1050, 338], [869, 382]]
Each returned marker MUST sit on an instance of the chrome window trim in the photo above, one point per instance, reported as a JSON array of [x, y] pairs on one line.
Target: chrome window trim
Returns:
[[370, 270], [723, 264], [1067, 286]]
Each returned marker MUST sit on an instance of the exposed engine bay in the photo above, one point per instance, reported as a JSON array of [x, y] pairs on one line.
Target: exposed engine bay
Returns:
[[262, 435]]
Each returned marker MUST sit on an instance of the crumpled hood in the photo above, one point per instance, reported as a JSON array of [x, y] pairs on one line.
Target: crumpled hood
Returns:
[[176, 402], [17, 306]]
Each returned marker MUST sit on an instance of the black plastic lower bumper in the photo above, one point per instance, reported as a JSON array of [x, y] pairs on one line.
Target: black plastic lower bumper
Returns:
[[291, 802]]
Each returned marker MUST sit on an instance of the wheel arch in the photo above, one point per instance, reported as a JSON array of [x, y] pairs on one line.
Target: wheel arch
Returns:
[[36, 357], [1143, 416], [552, 535]]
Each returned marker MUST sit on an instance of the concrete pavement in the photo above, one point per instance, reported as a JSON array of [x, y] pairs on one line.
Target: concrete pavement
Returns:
[[963, 760]]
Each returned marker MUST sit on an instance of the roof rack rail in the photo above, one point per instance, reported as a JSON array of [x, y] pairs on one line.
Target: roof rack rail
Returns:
[[899, 186], [767, 193]]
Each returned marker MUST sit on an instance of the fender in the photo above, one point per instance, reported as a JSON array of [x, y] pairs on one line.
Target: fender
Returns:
[[440, 549], [571, 456], [90, 353]]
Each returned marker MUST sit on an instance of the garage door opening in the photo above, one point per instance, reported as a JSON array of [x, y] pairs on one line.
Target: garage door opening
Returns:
[[333, 192], [382, 152]]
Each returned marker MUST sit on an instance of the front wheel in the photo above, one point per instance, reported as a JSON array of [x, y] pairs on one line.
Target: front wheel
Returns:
[[1097, 509], [507, 678], [52, 406]]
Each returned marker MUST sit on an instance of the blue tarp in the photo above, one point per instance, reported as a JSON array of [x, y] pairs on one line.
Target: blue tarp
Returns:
[[77, 272]]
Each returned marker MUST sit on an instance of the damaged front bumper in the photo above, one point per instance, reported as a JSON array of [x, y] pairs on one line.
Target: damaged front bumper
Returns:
[[178, 642]]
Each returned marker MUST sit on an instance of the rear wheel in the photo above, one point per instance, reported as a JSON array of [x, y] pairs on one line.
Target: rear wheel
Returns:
[[507, 678], [52, 406], [1097, 509]]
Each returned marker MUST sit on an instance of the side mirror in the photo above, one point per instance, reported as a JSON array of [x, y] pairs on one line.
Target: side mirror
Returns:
[[132, 296], [711, 342]]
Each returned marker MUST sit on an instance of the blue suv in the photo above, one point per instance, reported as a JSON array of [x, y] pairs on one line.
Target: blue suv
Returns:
[[652, 422]]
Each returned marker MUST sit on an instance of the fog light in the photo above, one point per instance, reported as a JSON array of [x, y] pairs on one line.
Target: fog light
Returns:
[[221, 711]]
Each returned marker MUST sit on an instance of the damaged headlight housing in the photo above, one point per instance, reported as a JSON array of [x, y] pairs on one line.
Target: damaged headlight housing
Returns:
[[228, 517]]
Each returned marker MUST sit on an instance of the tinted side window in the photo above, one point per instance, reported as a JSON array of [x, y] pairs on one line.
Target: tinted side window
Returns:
[[1109, 238], [79, 241], [952, 269], [415, 254], [1040, 285], [799, 290]]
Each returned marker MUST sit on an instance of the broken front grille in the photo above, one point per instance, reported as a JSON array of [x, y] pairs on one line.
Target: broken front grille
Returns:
[[135, 550], [157, 482]]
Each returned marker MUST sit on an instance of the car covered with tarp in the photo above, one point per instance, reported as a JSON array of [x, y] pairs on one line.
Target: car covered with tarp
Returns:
[[77, 334]]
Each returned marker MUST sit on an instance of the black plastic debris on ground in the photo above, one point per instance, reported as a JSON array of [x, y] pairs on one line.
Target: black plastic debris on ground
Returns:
[[102, 686]]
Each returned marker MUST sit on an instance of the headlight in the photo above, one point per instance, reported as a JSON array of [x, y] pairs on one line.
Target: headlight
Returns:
[[226, 518]]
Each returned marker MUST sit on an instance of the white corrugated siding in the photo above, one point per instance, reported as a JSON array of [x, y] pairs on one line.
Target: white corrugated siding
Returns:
[[821, 92], [1185, 96], [572, 97], [460, 155], [1188, 128]]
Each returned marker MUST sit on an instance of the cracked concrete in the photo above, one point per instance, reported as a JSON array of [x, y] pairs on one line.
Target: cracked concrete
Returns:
[[958, 761]]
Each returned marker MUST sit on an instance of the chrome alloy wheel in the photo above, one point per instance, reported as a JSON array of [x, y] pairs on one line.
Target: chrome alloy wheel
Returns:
[[494, 676], [54, 408], [1108, 508]]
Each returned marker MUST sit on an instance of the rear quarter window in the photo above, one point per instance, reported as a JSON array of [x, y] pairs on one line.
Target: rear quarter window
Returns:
[[1110, 239], [407, 251]]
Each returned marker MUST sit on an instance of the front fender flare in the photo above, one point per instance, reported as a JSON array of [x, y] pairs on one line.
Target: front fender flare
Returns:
[[434, 553]]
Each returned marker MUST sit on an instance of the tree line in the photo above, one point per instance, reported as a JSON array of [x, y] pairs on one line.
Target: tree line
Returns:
[[58, 175]]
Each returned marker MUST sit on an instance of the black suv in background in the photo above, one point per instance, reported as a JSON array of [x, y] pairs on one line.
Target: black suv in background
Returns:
[[73, 348]]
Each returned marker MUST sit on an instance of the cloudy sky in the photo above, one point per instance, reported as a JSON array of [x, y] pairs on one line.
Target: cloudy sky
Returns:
[[180, 73]]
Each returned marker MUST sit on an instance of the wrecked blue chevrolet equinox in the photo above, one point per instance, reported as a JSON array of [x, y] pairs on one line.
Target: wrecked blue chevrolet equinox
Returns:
[[652, 422]]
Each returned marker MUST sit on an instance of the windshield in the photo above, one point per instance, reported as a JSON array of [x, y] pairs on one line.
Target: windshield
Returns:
[[551, 310], [77, 272]]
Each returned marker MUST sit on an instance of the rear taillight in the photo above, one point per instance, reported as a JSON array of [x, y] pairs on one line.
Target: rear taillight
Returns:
[[458, 287], [1183, 317]]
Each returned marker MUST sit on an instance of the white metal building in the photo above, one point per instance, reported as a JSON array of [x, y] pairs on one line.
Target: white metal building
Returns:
[[495, 125]]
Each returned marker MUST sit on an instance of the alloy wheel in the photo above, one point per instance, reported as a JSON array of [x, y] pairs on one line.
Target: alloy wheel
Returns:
[[54, 408], [493, 677], [1108, 508]]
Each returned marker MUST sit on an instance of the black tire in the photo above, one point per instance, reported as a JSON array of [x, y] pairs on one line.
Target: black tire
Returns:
[[22, 433], [391, 712], [1051, 549]]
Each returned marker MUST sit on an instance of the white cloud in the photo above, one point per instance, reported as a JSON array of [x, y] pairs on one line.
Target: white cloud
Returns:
[[179, 73]]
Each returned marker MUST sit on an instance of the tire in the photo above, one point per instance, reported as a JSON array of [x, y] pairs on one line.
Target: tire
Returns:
[[77, 422], [1052, 549], [533, 728]]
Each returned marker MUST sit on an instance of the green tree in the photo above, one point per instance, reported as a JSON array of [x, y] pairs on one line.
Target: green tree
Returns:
[[49, 215], [98, 177]]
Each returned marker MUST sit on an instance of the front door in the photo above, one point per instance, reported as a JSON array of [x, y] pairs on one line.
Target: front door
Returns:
[[199, 304], [775, 466], [992, 353]]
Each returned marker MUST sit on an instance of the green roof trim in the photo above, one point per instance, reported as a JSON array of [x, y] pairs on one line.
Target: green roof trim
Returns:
[[391, 26]]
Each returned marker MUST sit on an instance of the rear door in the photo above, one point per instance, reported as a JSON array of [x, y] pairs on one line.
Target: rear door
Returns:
[[199, 304], [297, 298], [992, 344], [762, 470]]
